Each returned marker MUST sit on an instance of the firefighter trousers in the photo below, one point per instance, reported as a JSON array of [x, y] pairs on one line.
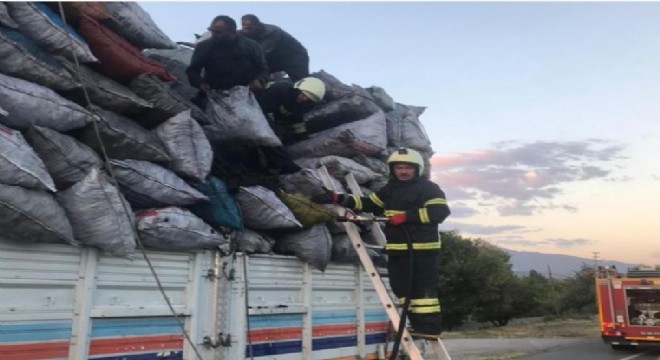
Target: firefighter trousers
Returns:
[[424, 311]]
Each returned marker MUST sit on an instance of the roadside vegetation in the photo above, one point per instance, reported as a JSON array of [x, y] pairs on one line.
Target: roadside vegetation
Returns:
[[477, 285]]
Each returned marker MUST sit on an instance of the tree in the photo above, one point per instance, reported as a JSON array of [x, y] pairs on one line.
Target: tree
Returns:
[[476, 279], [457, 281], [502, 296], [578, 294]]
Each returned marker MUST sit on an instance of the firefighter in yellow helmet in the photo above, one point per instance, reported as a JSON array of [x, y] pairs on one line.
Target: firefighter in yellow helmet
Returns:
[[414, 206], [284, 103]]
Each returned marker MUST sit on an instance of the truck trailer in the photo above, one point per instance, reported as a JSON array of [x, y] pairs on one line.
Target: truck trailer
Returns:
[[64, 302]]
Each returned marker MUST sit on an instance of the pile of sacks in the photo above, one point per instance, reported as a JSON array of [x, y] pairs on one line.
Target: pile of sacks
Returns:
[[167, 177]]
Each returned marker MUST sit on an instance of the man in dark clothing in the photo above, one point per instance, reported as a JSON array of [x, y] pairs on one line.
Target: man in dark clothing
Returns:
[[284, 104], [414, 206], [228, 59], [283, 52]]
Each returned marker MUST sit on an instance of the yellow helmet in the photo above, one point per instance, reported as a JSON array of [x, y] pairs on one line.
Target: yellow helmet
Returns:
[[312, 87], [407, 155]]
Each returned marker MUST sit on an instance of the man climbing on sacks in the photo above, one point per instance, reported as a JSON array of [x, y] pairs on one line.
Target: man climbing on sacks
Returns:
[[414, 206], [228, 59], [284, 104], [283, 52]]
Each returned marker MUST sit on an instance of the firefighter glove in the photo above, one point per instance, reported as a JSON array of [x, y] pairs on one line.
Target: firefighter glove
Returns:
[[328, 197], [397, 219]]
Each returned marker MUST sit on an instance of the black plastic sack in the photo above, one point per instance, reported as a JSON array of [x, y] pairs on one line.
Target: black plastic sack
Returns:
[[33, 216], [176, 61], [382, 98], [313, 246], [334, 89], [67, 159], [405, 130], [99, 214], [19, 163], [123, 138], [166, 103], [235, 117], [177, 229], [252, 242], [349, 108], [21, 57], [5, 19]]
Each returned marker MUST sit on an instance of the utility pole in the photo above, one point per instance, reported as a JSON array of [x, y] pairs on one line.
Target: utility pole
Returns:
[[552, 290], [596, 263]]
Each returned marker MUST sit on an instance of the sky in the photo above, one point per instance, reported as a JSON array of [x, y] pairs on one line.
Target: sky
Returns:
[[544, 117]]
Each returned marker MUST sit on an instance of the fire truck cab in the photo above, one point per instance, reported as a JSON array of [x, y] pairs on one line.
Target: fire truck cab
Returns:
[[629, 306]]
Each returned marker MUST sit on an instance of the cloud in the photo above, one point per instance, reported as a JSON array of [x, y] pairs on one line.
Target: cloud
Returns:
[[517, 242], [522, 208], [567, 243], [461, 210], [524, 178], [556, 243], [476, 229]]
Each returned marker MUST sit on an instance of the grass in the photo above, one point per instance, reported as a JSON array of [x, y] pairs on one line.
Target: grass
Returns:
[[570, 328]]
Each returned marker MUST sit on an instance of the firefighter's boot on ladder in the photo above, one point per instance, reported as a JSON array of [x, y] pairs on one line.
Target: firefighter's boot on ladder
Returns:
[[411, 349]]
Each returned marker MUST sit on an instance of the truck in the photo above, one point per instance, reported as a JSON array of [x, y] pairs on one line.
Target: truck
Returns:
[[63, 302], [629, 306]]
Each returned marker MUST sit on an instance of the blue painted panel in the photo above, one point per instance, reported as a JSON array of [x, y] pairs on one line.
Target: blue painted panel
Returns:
[[134, 326], [282, 347], [376, 338], [334, 342], [334, 317], [375, 316], [35, 331], [270, 321]]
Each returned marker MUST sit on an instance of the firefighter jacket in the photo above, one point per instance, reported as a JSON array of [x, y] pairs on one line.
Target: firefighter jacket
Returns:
[[285, 115], [422, 201], [227, 65]]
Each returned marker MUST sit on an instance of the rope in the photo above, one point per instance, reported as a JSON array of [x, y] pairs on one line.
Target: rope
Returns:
[[115, 182]]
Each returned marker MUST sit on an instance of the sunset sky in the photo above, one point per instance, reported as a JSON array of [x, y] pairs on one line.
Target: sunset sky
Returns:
[[544, 116]]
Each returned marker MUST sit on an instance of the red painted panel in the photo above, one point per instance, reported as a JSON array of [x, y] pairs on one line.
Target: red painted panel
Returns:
[[35, 351], [131, 344], [276, 334]]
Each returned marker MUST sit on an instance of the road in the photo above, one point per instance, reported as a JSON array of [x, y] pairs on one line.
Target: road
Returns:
[[543, 349], [595, 350]]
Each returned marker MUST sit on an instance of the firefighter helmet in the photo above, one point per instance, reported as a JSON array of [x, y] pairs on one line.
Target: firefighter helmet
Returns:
[[407, 155], [312, 87]]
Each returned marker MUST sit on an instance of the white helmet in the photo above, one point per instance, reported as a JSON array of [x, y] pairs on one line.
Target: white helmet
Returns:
[[312, 87], [409, 156]]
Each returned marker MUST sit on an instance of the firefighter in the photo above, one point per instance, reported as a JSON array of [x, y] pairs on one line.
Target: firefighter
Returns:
[[414, 206], [283, 52], [227, 59], [284, 103]]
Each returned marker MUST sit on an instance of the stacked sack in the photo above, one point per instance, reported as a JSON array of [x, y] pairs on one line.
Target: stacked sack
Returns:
[[183, 180], [55, 187], [356, 129]]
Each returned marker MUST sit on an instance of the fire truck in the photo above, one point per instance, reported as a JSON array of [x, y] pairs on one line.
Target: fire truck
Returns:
[[629, 306]]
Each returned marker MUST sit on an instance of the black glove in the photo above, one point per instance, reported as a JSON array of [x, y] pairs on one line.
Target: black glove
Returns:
[[328, 197]]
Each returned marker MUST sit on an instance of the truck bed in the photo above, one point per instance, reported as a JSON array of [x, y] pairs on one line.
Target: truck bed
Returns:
[[63, 302]]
